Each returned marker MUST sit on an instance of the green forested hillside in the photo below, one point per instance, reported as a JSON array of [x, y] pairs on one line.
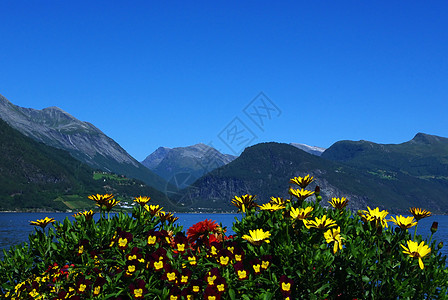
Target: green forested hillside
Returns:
[[265, 169], [36, 176], [425, 156]]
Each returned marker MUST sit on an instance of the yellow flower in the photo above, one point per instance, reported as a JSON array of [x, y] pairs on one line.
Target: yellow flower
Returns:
[[169, 217], [153, 209], [211, 279], [151, 239], [302, 182], [375, 216], [286, 286], [224, 260], [416, 251], [158, 265], [301, 213], [111, 203], [242, 274], [142, 200], [404, 222], [138, 293], [300, 194], [271, 207], [265, 264], [322, 223], [279, 201], [171, 276], [122, 242], [257, 237], [419, 213], [88, 215], [101, 199], [338, 203], [192, 260], [105, 202], [244, 203], [334, 235], [42, 222]]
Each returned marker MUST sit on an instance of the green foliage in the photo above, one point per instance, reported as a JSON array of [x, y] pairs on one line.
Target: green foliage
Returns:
[[284, 251]]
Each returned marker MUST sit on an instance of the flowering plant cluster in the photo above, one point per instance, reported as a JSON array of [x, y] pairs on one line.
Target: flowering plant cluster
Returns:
[[286, 249]]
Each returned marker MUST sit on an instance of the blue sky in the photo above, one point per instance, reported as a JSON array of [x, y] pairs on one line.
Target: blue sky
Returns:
[[176, 73]]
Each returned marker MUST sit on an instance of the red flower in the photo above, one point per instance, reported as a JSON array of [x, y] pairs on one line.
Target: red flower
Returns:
[[200, 231]]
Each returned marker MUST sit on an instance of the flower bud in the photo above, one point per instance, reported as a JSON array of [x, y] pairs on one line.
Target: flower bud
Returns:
[[440, 245], [319, 198], [434, 227], [317, 190]]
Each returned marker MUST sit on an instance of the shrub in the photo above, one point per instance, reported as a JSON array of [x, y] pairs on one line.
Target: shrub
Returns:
[[285, 249]]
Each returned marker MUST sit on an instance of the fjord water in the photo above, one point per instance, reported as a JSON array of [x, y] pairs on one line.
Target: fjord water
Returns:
[[15, 228]]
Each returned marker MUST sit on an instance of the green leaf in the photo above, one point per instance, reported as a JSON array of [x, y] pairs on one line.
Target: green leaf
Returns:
[[232, 294]]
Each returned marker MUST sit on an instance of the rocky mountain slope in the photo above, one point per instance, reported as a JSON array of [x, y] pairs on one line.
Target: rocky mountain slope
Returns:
[[310, 149], [39, 177], [184, 165], [57, 128]]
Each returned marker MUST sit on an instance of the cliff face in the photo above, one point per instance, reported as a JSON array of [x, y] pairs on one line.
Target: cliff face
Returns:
[[57, 128], [189, 162]]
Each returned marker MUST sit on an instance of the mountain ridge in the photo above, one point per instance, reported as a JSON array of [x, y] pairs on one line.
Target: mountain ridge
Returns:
[[40, 177], [185, 164], [264, 169], [57, 128]]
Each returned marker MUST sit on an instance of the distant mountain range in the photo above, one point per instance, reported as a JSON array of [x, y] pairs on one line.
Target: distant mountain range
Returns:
[[57, 128], [198, 177], [185, 163], [394, 177]]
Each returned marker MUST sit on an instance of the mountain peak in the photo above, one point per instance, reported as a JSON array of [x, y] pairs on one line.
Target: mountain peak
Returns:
[[154, 159], [54, 108], [310, 149], [424, 138]]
